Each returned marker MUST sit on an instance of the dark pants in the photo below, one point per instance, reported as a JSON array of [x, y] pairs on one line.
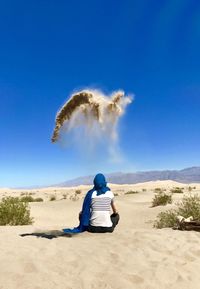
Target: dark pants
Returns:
[[99, 229]]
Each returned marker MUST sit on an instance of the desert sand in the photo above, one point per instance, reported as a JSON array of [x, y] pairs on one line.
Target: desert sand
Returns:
[[136, 255]]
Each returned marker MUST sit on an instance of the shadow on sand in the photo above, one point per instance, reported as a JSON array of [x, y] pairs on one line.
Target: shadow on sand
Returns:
[[49, 234]]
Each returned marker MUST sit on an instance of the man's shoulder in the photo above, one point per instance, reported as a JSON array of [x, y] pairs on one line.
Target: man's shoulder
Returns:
[[108, 194]]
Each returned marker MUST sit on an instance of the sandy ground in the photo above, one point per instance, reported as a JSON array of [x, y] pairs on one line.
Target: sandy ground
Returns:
[[136, 255]]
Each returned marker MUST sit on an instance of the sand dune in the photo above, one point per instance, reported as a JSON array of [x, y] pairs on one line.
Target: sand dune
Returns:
[[135, 256]]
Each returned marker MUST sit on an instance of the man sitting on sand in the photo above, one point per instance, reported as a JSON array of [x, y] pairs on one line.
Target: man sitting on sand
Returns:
[[95, 215]]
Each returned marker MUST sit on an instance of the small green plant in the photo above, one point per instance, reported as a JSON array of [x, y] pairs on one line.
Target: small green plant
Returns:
[[73, 198], [78, 192], [38, 200], [157, 190], [131, 192], [166, 219], [161, 199], [52, 198], [14, 212], [27, 198], [189, 206], [177, 190]]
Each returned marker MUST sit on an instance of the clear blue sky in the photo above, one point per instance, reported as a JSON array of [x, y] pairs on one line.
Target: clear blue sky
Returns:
[[48, 48]]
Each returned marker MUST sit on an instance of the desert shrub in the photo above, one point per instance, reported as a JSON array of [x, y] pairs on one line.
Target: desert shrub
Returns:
[[161, 199], [38, 200], [78, 192], [116, 194], [166, 219], [157, 190], [177, 190], [30, 199], [14, 212], [74, 197], [52, 198], [27, 198], [189, 206], [131, 192], [144, 190], [64, 196]]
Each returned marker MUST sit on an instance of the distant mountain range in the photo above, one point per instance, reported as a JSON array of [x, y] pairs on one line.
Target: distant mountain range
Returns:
[[188, 175]]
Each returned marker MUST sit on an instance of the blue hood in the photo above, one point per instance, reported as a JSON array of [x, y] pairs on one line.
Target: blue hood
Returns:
[[100, 184]]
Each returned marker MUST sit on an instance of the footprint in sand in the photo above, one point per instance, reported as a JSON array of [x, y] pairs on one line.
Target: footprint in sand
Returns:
[[135, 278], [30, 268]]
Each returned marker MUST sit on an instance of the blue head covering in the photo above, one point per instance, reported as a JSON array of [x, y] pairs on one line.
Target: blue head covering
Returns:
[[100, 186]]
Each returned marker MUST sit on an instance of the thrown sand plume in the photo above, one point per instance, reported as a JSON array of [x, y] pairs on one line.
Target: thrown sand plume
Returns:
[[90, 108]]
